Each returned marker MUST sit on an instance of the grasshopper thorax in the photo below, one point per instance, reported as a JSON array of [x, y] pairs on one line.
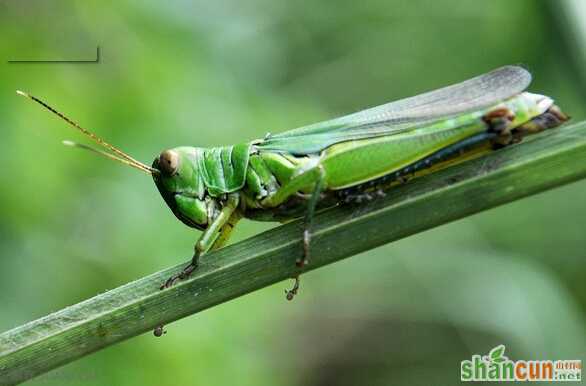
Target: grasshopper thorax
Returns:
[[195, 181]]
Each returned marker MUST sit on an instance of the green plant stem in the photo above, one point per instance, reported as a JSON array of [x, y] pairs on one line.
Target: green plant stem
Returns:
[[548, 160]]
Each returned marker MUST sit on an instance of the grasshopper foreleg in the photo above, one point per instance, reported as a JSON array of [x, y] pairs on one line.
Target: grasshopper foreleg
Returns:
[[214, 237]]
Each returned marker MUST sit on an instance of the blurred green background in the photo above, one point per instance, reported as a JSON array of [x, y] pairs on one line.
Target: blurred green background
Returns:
[[211, 73]]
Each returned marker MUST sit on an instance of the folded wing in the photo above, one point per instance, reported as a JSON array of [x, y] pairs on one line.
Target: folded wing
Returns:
[[396, 117]]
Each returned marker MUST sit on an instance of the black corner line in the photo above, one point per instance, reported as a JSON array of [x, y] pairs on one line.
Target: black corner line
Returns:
[[90, 61]]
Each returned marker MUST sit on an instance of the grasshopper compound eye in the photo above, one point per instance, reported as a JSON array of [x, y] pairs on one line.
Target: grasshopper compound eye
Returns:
[[169, 162]]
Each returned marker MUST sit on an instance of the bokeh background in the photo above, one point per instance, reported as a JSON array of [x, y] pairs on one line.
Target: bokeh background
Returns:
[[217, 72]]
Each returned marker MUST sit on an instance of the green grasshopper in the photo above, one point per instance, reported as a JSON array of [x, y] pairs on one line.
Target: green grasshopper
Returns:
[[348, 159]]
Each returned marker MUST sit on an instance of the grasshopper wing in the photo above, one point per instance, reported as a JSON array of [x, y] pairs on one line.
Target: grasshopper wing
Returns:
[[396, 117]]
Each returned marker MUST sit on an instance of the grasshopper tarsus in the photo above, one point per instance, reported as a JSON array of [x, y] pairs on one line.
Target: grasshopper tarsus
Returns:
[[290, 294], [170, 282], [184, 274]]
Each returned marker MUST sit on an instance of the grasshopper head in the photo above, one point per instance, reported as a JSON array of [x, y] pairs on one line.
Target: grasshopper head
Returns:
[[179, 183], [174, 171]]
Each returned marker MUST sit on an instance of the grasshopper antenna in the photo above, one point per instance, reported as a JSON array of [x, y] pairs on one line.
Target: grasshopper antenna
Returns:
[[123, 157], [105, 154]]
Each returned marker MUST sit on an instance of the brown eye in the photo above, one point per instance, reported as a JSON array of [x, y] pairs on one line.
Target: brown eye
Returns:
[[169, 162]]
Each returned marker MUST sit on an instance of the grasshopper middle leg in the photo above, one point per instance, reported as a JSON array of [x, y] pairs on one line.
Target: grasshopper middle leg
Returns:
[[313, 176]]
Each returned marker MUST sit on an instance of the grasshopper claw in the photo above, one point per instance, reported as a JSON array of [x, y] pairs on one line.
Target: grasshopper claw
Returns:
[[290, 294]]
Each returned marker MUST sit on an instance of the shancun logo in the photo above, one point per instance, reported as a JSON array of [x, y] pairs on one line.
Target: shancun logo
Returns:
[[497, 367]]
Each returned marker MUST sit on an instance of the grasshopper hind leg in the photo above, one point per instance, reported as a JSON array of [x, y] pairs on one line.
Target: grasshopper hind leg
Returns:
[[375, 188], [499, 134]]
